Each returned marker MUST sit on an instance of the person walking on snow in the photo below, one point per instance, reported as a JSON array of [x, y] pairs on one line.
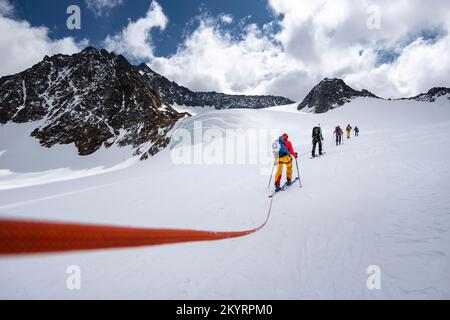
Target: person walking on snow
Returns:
[[285, 158], [356, 131], [349, 131], [338, 133], [317, 139]]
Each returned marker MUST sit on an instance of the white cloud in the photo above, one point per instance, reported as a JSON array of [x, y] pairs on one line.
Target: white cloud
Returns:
[[317, 39], [226, 18], [101, 7], [135, 39], [211, 59], [328, 36], [306, 41], [22, 45], [420, 66]]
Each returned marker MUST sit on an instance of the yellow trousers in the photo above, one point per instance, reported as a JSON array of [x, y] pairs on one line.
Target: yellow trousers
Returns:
[[286, 160]]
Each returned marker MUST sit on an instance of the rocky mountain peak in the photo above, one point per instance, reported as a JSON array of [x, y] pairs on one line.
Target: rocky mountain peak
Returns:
[[330, 94], [91, 99], [432, 94], [96, 99]]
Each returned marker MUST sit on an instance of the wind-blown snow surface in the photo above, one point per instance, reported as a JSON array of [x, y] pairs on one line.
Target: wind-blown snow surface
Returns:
[[380, 199]]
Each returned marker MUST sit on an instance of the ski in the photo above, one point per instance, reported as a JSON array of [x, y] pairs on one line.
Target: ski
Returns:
[[318, 156], [284, 187]]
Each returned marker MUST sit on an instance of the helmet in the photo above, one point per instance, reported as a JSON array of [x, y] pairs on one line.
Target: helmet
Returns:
[[285, 136]]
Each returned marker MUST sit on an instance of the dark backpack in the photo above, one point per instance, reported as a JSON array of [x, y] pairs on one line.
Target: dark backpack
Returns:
[[316, 132]]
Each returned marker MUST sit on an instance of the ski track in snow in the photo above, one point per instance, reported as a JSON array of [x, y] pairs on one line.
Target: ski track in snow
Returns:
[[380, 199]]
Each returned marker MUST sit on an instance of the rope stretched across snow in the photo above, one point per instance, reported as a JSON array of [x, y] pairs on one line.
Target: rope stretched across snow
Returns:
[[32, 237], [19, 237]]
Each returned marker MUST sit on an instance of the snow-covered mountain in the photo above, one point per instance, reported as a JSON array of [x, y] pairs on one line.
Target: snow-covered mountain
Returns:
[[96, 99], [330, 94], [433, 94], [171, 93], [90, 99]]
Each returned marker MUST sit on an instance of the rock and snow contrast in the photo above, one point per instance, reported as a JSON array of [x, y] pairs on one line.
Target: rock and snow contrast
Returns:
[[433, 94], [96, 99], [379, 200], [92, 99], [330, 94]]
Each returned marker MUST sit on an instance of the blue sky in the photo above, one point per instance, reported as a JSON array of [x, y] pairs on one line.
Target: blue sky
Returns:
[[181, 15], [279, 47]]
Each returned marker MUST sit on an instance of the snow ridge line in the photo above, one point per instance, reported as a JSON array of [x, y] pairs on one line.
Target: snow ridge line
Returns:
[[23, 237]]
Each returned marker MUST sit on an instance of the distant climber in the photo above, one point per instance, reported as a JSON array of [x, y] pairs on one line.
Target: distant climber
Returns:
[[338, 133], [284, 158], [349, 131], [317, 139], [356, 131]]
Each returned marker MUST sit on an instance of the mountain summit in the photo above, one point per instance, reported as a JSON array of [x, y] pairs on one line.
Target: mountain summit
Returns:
[[330, 94], [92, 99], [96, 99]]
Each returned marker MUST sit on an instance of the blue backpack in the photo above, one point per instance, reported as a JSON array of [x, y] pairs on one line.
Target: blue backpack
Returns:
[[283, 149], [279, 148]]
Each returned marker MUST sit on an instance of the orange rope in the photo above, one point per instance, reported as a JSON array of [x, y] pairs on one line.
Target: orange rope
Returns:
[[32, 237]]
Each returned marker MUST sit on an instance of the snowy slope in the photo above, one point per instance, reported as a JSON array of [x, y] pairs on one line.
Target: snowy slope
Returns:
[[381, 199]]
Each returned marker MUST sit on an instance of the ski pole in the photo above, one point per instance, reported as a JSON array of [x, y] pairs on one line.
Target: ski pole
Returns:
[[273, 168], [298, 173], [322, 144]]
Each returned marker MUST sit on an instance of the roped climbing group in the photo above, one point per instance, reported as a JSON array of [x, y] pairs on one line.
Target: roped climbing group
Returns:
[[284, 151]]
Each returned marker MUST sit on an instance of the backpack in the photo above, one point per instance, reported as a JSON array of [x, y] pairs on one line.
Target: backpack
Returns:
[[338, 131], [276, 149], [316, 132], [279, 148]]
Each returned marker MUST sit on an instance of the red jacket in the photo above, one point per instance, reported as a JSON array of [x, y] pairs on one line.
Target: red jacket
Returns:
[[289, 146]]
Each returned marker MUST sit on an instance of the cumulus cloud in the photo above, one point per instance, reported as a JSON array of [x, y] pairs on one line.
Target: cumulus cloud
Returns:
[[135, 39], [22, 45], [420, 66], [305, 42], [102, 7], [317, 39], [211, 59]]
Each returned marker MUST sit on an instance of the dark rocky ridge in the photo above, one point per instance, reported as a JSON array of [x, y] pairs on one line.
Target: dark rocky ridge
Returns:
[[330, 94], [171, 93], [92, 98], [432, 94]]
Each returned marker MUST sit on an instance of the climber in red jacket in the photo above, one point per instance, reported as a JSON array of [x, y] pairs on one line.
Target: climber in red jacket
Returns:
[[285, 158]]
